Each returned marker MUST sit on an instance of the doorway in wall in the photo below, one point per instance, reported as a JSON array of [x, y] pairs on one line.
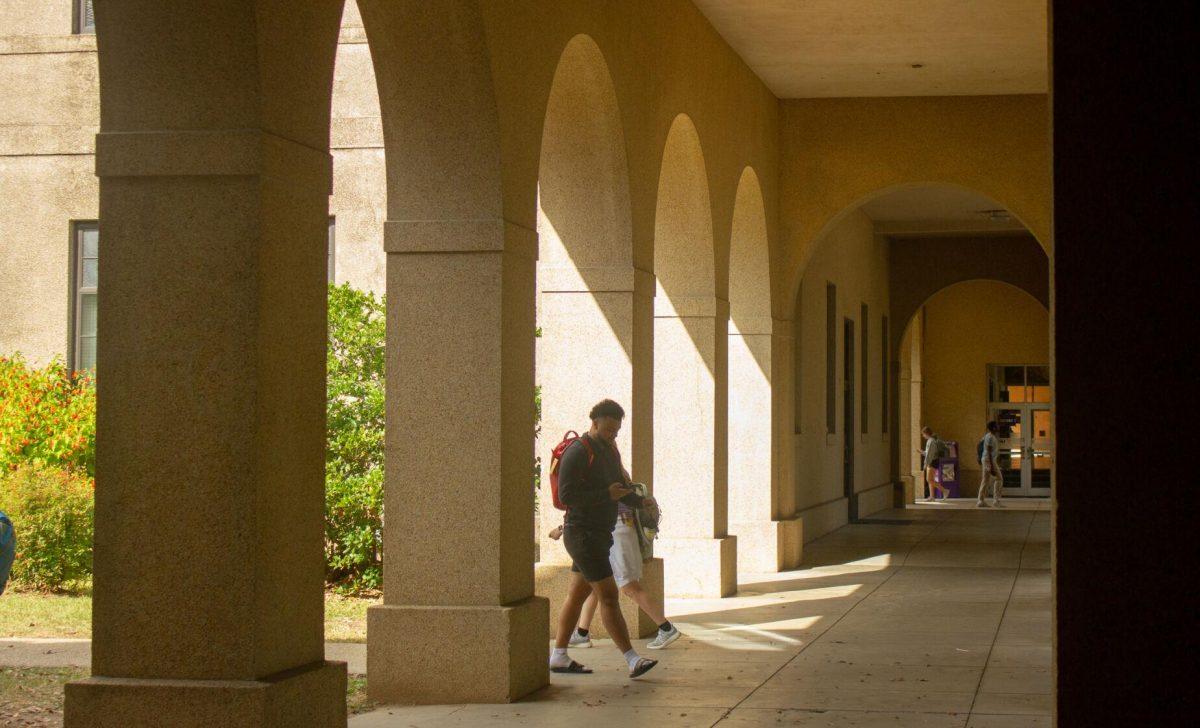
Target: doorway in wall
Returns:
[[848, 427], [1019, 402]]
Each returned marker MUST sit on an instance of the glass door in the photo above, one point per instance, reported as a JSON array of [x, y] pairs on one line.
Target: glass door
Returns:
[[1020, 405]]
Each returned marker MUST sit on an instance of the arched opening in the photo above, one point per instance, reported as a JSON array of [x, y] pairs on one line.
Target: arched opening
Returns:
[[977, 351], [586, 284], [215, 167], [690, 345], [865, 277], [754, 345]]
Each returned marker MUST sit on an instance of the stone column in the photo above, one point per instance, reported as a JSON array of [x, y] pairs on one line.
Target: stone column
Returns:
[[761, 500], [590, 349], [208, 604], [690, 446], [459, 622]]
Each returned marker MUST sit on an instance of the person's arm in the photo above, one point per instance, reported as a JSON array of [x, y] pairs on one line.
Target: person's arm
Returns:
[[572, 479]]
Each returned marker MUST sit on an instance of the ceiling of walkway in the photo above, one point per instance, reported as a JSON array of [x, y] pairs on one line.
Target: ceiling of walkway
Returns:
[[922, 210], [851, 48]]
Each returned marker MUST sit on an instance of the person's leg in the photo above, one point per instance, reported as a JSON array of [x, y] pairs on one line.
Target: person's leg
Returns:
[[577, 593], [589, 612], [641, 597], [607, 597], [984, 480], [997, 487]]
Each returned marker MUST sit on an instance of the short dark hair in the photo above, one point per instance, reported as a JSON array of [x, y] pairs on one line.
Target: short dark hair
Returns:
[[992, 426], [607, 408]]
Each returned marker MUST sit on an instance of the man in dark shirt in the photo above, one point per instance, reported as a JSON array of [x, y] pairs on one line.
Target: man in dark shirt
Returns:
[[590, 482]]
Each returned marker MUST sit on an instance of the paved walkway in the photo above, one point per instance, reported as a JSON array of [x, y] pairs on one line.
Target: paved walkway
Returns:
[[941, 623]]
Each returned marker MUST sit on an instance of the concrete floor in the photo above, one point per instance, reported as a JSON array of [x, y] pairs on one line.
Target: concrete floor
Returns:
[[943, 622]]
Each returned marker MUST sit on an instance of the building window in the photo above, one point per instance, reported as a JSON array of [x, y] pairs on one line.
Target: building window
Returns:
[[329, 248], [864, 367], [85, 249], [884, 384], [85, 19], [830, 358]]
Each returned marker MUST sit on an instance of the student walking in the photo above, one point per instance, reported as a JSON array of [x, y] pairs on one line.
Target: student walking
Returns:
[[935, 449], [626, 557], [989, 451], [591, 481]]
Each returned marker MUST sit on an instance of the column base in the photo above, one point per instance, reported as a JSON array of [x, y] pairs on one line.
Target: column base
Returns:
[[766, 547], [313, 695], [552, 580], [447, 654], [699, 567]]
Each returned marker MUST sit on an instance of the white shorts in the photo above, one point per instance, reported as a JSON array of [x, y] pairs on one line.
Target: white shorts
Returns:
[[625, 556]]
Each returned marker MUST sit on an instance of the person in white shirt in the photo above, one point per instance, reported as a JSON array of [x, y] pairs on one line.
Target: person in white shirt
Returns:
[[989, 452]]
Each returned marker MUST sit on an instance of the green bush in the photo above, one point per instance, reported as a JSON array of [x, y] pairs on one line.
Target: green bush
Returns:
[[354, 439], [47, 416], [51, 509]]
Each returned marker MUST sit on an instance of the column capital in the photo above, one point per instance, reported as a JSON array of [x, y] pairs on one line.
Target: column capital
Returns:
[[211, 153], [690, 307], [483, 235]]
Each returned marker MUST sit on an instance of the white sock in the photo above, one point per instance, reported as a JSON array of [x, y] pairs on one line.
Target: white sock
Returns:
[[559, 657], [632, 657]]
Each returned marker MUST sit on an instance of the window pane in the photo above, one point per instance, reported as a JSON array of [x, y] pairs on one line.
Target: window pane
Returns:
[[90, 241], [90, 268], [87, 352], [86, 20], [87, 314], [1038, 380]]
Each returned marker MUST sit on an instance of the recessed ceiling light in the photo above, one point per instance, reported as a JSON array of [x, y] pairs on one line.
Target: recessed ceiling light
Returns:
[[918, 65]]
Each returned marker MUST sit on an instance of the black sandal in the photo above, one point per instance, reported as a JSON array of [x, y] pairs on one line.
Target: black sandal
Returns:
[[643, 666], [573, 669]]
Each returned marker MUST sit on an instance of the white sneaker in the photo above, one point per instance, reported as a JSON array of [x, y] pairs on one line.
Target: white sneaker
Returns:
[[662, 639], [580, 640], [981, 504]]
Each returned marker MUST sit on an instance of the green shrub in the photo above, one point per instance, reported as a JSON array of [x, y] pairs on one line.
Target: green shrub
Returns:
[[47, 416], [51, 510], [354, 439]]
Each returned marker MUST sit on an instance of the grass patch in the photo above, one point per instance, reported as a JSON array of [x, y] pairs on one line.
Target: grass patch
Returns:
[[37, 614], [32, 697]]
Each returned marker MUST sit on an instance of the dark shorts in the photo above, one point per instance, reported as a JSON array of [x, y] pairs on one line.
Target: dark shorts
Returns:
[[589, 552]]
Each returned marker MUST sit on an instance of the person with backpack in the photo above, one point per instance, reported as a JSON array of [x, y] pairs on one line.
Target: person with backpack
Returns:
[[587, 480], [989, 450], [935, 449]]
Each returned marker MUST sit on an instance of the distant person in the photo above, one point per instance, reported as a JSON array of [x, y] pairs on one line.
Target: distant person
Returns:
[[935, 449], [626, 557], [8, 549], [590, 483], [989, 452]]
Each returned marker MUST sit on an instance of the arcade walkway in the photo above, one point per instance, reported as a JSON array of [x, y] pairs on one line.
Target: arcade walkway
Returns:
[[942, 621]]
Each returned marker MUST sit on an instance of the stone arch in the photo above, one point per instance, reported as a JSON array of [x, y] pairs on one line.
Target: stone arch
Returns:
[[910, 414], [215, 344], [690, 366], [754, 346], [586, 279], [822, 229]]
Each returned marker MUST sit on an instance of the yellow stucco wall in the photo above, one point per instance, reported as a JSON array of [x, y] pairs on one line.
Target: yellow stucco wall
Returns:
[[854, 259], [968, 326], [840, 153]]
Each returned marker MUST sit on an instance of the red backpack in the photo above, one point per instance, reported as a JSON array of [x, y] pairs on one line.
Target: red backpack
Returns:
[[556, 458]]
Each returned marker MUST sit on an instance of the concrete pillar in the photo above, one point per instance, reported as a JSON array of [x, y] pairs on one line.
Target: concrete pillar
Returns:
[[592, 348], [459, 621], [208, 605], [690, 443], [768, 533]]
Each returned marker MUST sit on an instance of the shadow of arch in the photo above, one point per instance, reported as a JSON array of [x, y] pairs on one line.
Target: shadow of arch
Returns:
[[586, 281], [797, 273], [750, 353]]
